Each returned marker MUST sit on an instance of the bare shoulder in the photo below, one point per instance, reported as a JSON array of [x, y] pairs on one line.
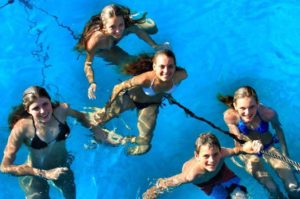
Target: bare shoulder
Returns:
[[22, 128], [266, 113], [191, 170], [144, 79], [95, 41], [231, 116], [61, 111], [180, 75], [64, 105]]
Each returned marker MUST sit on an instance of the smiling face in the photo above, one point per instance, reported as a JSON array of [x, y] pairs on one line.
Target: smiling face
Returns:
[[41, 110], [246, 108], [209, 157], [164, 67], [114, 26]]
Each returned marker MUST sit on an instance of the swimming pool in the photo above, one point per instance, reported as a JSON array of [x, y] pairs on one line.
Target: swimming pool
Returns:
[[222, 44]]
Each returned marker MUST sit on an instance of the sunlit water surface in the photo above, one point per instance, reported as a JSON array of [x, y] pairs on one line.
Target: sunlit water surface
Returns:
[[222, 45]]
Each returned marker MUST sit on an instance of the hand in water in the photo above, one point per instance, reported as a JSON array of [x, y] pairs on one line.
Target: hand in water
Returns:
[[106, 136], [252, 146], [54, 174], [94, 115], [92, 90], [151, 193], [165, 46]]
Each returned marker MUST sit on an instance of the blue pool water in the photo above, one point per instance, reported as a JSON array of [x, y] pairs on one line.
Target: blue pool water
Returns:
[[222, 45]]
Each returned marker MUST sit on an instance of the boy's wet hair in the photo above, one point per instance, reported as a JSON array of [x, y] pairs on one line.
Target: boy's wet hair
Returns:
[[206, 138]]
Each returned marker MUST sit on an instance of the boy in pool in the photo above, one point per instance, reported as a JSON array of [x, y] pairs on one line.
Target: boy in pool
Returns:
[[208, 171]]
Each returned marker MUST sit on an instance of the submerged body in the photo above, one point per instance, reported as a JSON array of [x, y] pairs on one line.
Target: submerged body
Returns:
[[249, 120], [207, 170]]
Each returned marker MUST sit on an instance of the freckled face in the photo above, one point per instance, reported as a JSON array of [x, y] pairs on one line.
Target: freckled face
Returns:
[[41, 110], [209, 157], [246, 108], [164, 67], [114, 26]]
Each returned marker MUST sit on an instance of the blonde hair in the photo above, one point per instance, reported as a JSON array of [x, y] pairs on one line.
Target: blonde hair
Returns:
[[244, 91]]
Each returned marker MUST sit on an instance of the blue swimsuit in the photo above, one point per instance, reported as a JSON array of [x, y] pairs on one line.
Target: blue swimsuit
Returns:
[[262, 127]]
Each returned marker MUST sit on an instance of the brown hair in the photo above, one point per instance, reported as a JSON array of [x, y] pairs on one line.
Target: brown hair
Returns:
[[97, 22], [144, 62], [30, 95], [206, 138], [244, 91]]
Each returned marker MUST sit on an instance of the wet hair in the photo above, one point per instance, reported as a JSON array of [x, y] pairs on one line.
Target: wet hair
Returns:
[[30, 95], [244, 91], [206, 138], [144, 62], [96, 22]]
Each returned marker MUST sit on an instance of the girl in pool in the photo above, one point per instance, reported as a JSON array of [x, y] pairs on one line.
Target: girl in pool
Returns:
[[249, 120], [154, 77], [41, 126], [208, 171], [102, 33]]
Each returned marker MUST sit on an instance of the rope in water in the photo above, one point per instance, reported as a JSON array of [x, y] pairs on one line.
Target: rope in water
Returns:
[[190, 113]]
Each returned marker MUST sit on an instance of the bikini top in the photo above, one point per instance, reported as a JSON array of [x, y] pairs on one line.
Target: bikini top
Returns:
[[262, 127], [150, 91], [64, 131]]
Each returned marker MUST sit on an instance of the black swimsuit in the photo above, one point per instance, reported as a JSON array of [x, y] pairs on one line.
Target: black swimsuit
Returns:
[[64, 132]]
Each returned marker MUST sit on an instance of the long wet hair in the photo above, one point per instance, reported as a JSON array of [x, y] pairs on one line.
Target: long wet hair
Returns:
[[96, 22], [30, 95], [206, 138], [144, 62], [244, 91]]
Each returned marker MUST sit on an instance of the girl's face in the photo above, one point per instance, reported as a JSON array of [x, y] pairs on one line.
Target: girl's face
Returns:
[[209, 157], [114, 26], [164, 67], [41, 110], [246, 108]]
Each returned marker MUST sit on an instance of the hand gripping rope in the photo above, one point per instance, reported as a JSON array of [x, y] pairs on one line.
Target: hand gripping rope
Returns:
[[190, 113]]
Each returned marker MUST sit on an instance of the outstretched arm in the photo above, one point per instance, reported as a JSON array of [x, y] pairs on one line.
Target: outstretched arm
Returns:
[[163, 184], [280, 134], [143, 79], [144, 36], [250, 147]]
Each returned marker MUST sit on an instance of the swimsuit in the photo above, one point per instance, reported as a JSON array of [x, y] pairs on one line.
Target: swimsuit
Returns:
[[224, 175], [150, 91], [221, 185], [262, 128], [64, 132]]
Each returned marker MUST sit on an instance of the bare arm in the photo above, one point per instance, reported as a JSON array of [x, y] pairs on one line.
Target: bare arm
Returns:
[[163, 184], [93, 44], [231, 119], [140, 80], [143, 35], [79, 116], [280, 134], [250, 147], [180, 75], [14, 143]]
